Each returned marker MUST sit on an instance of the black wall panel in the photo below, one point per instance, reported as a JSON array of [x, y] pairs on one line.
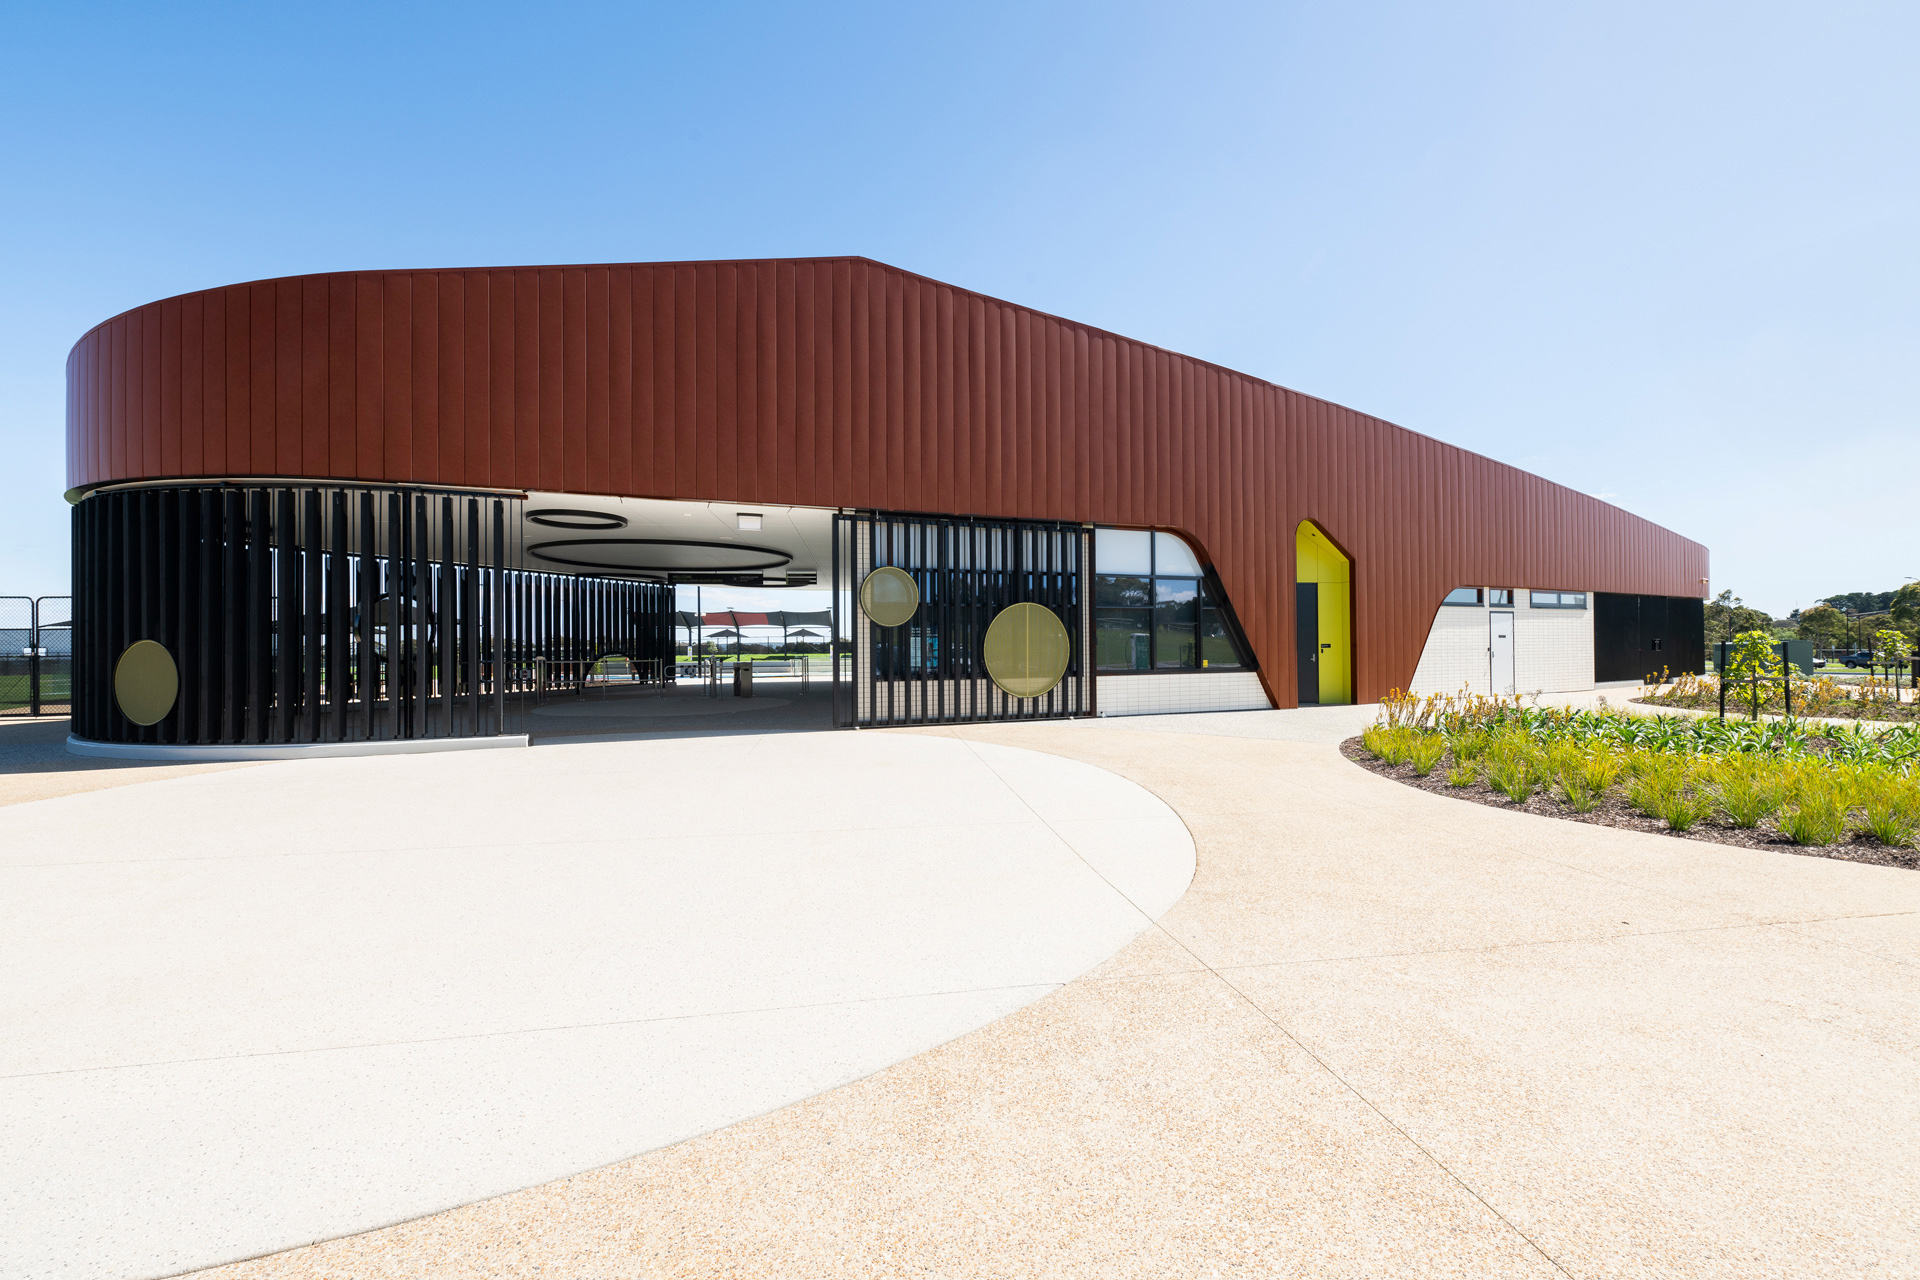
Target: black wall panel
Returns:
[[1636, 636]]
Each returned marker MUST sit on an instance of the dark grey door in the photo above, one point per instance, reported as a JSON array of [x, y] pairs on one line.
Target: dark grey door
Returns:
[[1306, 632]]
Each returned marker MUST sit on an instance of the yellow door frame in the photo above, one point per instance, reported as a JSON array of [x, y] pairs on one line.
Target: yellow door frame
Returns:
[[1319, 559]]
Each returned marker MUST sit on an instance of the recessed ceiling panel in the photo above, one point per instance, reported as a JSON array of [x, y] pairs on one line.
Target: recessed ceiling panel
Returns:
[[679, 540], [658, 555]]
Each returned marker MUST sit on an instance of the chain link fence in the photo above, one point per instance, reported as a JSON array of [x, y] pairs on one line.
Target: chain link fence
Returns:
[[36, 656]]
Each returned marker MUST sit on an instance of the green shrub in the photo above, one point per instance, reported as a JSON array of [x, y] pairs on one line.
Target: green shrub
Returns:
[[1681, 809], [1819, 782], [1425, 752], [1817, 814], [1565, 754], [1891, 826], [1513, 769], [1468, 747], [1600, 769], [1892, 810], [1652, 783], [1579, 797], [1746, 792]]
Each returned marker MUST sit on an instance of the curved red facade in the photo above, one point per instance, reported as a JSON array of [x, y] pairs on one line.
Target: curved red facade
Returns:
[[834, 382]]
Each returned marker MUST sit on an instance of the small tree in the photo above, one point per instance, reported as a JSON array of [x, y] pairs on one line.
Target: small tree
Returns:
[[1755, 663], [1892, 649]]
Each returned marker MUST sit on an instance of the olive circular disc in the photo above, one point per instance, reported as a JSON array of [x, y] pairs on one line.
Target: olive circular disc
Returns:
[[1026, 649], [145, 682], [889, 596]]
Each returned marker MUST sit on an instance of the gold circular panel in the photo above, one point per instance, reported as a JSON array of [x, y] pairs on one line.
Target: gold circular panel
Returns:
[[1026, 649], [145, 682], [889, 596]]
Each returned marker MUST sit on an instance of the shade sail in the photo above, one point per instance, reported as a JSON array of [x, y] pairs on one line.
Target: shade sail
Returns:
[[733, 618]]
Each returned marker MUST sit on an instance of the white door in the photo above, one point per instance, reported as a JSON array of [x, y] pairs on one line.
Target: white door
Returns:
[[1500, 647]]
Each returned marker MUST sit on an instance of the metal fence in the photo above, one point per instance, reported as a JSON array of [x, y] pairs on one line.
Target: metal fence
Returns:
[[36, 655], [932, 669]]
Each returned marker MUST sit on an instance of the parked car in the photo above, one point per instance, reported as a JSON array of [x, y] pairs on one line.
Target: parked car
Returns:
[[1858, 658]]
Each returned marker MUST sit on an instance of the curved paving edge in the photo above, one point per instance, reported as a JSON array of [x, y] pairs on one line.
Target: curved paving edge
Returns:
[[226, 1040], [1380, 1035]]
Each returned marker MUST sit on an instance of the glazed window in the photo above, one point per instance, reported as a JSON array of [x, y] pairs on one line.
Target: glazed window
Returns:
[[1501, 597], [1152, 609], [1176, 618], [1463, 596], [1557, 599]]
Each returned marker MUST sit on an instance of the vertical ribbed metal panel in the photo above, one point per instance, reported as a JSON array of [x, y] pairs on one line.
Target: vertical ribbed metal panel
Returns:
[[836, 383]]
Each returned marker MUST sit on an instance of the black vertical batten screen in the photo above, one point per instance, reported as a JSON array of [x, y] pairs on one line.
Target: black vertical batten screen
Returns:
[[930, 670], [332, 613]]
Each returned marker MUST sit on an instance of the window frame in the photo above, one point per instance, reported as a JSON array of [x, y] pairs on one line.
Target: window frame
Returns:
[[1505, 600], [1479, 598], [1204, 607], [1559, 600]]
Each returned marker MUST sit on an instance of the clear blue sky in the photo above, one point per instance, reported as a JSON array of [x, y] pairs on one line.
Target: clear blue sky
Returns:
[[1666, 254]]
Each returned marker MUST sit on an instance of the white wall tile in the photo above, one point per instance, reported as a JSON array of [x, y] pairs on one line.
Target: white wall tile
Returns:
[[1176, 691], [1455, 657], [1552, 650]]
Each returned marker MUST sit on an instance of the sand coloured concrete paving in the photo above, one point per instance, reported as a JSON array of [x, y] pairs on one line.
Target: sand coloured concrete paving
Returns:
[[229, 1031], [778, 704], [1383, 1034], [36, 765]]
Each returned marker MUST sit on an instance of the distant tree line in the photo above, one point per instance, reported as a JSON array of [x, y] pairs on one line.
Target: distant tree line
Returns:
[[1846, 621], [1850, 621], [1862, 601], [1727, 617]]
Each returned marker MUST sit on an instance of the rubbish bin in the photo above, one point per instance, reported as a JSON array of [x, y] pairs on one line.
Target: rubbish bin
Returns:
[[743, 679]]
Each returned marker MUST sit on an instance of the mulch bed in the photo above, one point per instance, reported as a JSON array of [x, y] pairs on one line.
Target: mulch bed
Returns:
[[1907, 712], [1613, 811]]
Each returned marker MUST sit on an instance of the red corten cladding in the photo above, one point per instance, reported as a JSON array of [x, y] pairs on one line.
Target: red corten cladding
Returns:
[[834, 382]]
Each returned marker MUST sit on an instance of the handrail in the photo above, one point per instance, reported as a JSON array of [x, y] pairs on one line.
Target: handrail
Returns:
[[578, 673]]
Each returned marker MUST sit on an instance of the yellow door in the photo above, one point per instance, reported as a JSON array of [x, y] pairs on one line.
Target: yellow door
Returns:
[[1318, 561]]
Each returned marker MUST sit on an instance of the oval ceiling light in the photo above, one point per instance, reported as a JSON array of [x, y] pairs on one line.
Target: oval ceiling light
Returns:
[[559, 518]]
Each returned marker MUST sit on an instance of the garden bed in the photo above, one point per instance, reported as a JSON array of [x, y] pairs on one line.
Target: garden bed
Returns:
[[1844, 709], [1613, 810], [1822, 698]]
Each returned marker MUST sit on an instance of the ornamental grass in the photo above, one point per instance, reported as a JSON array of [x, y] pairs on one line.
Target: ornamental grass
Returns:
[[1874, 698], [1812, 784]]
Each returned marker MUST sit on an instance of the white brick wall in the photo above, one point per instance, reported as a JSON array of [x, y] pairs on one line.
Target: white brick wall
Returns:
[[1164, 694], [1552, 650], [1456, 653]]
